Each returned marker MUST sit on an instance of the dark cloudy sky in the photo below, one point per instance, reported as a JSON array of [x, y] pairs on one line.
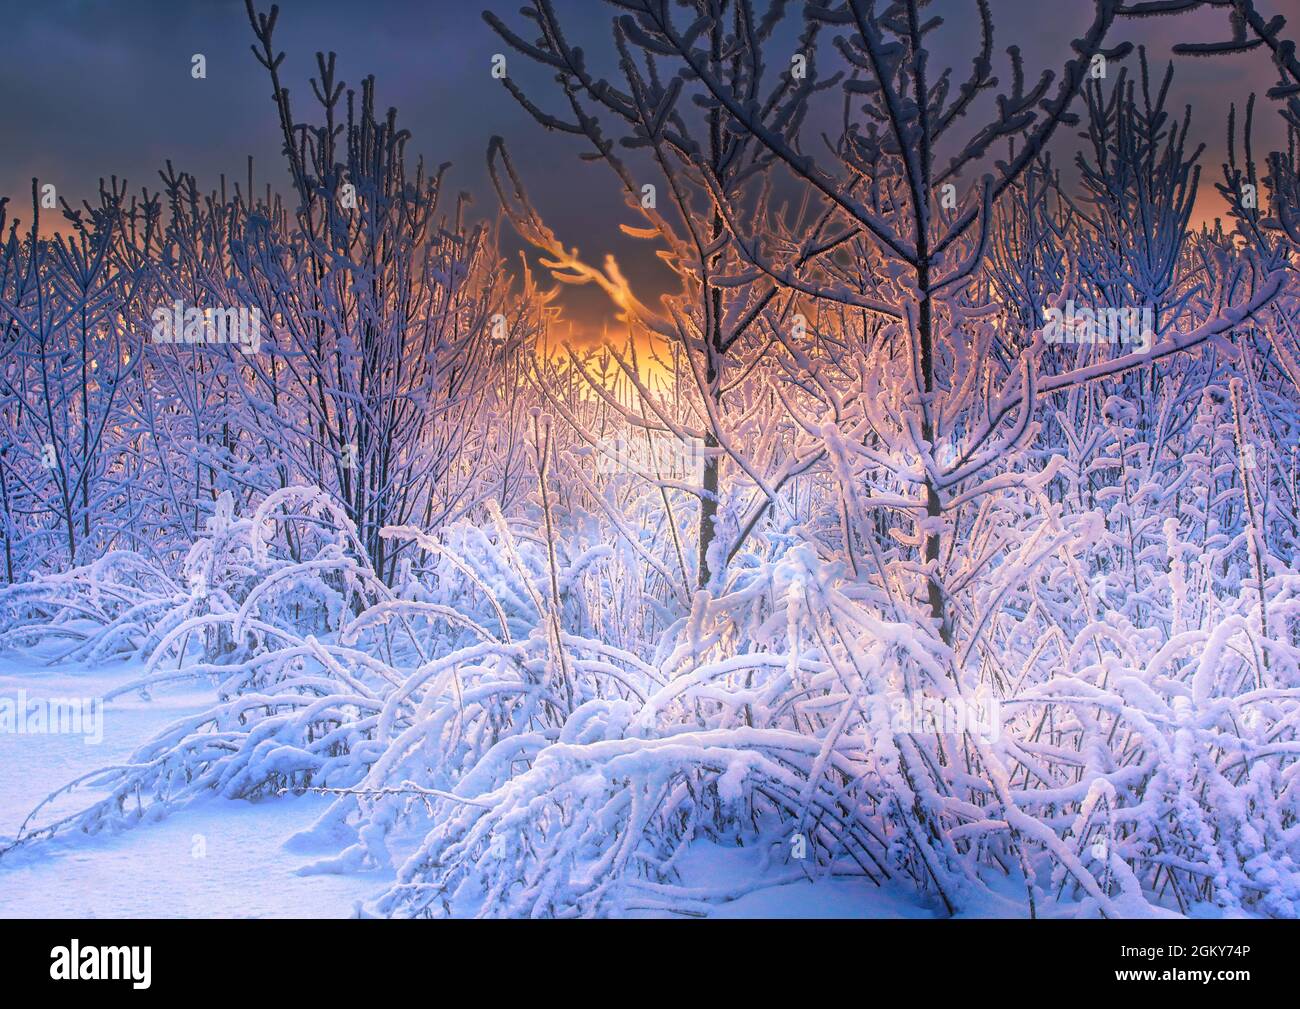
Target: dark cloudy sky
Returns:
[[92, 88]]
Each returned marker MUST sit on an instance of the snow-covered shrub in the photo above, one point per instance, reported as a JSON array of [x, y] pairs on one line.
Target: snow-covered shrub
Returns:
[[1134, 750], [110, 607], [323, 670]]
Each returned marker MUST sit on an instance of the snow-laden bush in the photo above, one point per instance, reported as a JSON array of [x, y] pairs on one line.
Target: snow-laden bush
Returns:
[[109, 608], [1144, 776], [124, 606], [502, 763], [324, 671]]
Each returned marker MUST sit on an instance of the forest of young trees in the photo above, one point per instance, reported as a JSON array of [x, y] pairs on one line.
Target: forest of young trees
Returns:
[[940, 527]]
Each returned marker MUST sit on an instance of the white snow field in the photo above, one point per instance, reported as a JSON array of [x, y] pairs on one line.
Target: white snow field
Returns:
[[216, 858]]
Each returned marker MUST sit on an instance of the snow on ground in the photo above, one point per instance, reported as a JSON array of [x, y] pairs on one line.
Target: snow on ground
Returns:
[[714, 867], [227, 858], [218, 858]]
